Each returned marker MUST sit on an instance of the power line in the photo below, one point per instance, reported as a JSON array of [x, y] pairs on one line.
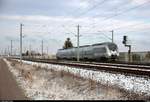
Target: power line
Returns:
[[125, 11], [113, 9], [100, 3], [90, 9], [68, 30], [138, 6], [132, 25], [78, 8], [93, 7]]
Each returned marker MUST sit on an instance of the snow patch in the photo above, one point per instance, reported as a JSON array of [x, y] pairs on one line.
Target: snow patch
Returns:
[[135, 84], [43, 89]]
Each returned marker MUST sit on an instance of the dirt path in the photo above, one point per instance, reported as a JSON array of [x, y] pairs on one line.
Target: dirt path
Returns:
[[9, 89]]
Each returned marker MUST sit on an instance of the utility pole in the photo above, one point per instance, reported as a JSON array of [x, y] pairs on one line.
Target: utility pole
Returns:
[[130, 56], [5, 52], [47, 50], [29, 48], [29, 51], [11, 48], [42, 48], [112, 36], [21, 43], [15, 52], [8, 51], [129, 53], [78, 53]]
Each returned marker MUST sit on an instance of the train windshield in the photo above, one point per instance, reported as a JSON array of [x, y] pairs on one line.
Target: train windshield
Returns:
[[112, 47]]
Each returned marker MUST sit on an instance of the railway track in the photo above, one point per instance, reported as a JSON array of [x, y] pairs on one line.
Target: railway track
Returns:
[[121, 68], [122, 65]]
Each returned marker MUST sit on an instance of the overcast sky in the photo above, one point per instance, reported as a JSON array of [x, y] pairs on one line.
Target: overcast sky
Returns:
[[55, 20]]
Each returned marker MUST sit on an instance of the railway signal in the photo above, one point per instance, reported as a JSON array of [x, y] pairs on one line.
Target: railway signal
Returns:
[[125, 42]]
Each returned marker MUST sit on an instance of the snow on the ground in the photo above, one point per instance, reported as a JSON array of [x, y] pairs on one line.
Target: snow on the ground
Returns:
[[36, 90], [135, 84], [45, 84]]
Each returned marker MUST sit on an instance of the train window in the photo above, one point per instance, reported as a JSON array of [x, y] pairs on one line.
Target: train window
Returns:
[[112, 47], [100, 50], [88, 52]]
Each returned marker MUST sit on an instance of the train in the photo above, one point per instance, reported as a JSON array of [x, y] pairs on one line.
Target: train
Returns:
[[98, 52]]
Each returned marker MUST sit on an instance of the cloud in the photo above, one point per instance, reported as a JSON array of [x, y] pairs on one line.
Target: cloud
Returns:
[[53, 29], [82, 4], [139, 2], [69, 20], [47, 25]]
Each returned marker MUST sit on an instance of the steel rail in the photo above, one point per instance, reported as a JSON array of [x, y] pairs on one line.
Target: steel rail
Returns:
[[115, 68]]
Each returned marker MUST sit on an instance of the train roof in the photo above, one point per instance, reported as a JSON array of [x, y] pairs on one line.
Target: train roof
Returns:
[[76, 47], [105, 43]]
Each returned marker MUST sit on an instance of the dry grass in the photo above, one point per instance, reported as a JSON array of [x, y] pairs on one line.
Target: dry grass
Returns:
[[27, 75], [74, 81]]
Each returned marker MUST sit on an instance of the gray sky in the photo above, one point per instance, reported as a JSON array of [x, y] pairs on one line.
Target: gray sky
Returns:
[[55, 20]]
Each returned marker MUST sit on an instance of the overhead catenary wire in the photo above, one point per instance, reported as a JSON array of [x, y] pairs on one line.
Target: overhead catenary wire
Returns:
[[130, 9], [121, 13], [131, 25], [91, 8], [79, 8], [100, 3]]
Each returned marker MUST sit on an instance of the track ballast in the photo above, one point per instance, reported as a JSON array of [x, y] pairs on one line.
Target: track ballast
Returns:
[[113, 67]]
